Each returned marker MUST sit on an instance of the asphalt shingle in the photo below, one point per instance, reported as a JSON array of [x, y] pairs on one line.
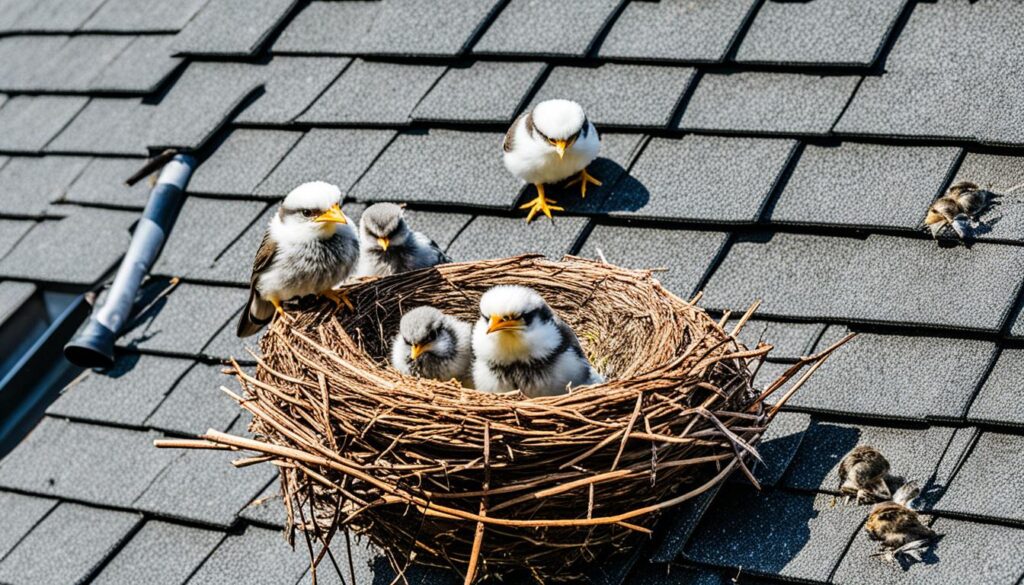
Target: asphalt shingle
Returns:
[[618, 151], [196, 403], [676, 30], [244, 159], [102, 183], [27, 123], [48, 16], [67, 546], [256, 556], [483, 92], [933, 285], [686, 255], [205, 228], [144, 64], [498, 237], [600, 91], [21, 514], [159, 553], [126, 394], [679, 523], [226, 343], [535, 27], [790, 341], [107, 126], [834, 32], [65, 64], [23, 56], [234, 266], [30, 184], [865, 185], [988, 484], [185, 320], [291, 84], [267, 508], [999, 399], [231, 27], [373, 93], [1003, 175], [142, 16], [11, 232], [774, 103], [13, 295], [779, 445]]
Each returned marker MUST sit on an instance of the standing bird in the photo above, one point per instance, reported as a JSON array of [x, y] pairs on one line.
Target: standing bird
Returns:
[[430, 344], [898, 527], [308, 247], [387, 245], [548, 144], [862, 473], [519, 343]]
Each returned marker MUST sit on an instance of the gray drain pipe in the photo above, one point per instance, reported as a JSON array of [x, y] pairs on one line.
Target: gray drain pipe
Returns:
[[93, 347]]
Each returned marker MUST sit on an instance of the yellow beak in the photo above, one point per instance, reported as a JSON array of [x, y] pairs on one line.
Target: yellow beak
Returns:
[[384, 243], [560, 147], [499, 324], [332, 215], [417, 350]]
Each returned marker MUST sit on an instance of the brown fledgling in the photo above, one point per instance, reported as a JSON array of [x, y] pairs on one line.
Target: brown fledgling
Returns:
[[897, 526], [862, 473], [963, 202]]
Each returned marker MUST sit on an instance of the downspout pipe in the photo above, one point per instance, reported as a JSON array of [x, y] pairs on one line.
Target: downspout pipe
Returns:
[[93, 347]]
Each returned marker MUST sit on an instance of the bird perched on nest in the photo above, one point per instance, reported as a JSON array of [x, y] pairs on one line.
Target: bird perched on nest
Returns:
[[898, 527], [862, 473], [548, 144], [963, 203], [519, 343], [308, 247], [430, 344], [387, 245]]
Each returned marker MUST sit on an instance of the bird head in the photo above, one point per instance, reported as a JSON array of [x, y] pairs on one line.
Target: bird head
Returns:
[[315, 206], [559, 123], [516, 324], [383, 226], [424, 331]]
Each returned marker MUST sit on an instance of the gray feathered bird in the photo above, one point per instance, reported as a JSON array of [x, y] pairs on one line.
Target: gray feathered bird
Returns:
[[519, 343], [862, 473], [388, 246], [308, 248], [430, 344]]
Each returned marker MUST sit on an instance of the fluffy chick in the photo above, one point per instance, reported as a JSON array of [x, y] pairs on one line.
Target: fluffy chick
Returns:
[[388, 246], [896, 525], [963, 202], [519, 343], [430, 344], [862, 473]]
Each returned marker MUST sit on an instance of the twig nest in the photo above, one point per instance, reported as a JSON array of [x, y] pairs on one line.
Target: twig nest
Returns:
[[493, 483]]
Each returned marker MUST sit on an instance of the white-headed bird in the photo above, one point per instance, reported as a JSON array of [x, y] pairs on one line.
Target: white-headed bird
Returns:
[[430, 344], [548, 144], [388, 246], [308, 247], [520, 344]]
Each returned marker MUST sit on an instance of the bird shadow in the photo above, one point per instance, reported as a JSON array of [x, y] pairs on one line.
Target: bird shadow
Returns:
[[619, 191], [822, 448]]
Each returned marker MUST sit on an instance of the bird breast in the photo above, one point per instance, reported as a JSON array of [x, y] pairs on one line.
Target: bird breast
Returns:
[[310, 267], [534, 161]]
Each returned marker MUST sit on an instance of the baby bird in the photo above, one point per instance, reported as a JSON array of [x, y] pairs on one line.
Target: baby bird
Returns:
[[519, 343], [387, 245], [898, 527], [548, 144], [430, 344], [862, 473], [308, 247], [963, 202]]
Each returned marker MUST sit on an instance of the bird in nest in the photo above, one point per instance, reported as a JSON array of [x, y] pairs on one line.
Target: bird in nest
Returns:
[[898, 527], [549, 144], [388, 246], [961, 205], [430, 344], [863, 473], [520, 344], [309, 246]]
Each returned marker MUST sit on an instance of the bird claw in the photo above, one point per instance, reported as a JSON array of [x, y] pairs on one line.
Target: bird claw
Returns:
[[583, 179], [541, 204], [339, 298], [279, 309]]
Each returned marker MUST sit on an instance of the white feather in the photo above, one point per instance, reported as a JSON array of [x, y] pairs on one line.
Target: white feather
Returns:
[[313, 195], [533, 160]]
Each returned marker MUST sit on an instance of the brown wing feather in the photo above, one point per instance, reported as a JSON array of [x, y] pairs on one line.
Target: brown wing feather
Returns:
[[510, 136], [248, 323], [264, 256]]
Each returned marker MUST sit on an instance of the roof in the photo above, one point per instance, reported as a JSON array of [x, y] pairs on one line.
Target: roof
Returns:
[[753, 149]]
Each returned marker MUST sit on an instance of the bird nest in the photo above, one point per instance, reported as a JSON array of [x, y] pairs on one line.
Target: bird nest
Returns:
[[492, 484]]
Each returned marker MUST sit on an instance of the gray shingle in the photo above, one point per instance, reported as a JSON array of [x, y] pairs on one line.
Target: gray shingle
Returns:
[[988, 484], [51, 16], [13, 294], [196, 403], [104, 233], [535, 27], [27, 123], [865, 185], [968, 554], [418, 167], [11, 232], [484, 92], [499, 237], [25, 57], [679, 523], [231, 27], [291, 84], [142, 16], [777, 103], [140, 68], [999, 399], [1003, 175], [774, 533], [835, 32], [74, 64], [732, 177], [256, 556], [676, 30], [102, 183], [336, 156], [205, 228], [159, 553], [373, 93], [234, 266], [600, 91], [956, 287], [669, 574], [244, 159], [107, 126], [790, 341], [67, 546], [21, 514], [268, 507], [685, 254], [46, 464], [185, 320], [30, 184], [226, 343], [779, 445], [125, 394], [909, 378]]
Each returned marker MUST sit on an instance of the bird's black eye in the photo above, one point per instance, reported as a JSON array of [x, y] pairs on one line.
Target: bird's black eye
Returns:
[[307, 213]]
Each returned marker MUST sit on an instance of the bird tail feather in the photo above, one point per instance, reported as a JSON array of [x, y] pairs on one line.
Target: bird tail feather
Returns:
[[257, 313]]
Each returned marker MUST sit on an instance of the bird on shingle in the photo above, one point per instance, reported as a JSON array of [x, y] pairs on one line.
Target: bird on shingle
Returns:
[[430, 344], [898, 527], [309, 246], [962, 203], [388, 246], [548, 144], [520, 344], [862, 473]]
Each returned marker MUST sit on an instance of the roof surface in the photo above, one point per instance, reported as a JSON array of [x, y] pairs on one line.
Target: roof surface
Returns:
[[753, 149]]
